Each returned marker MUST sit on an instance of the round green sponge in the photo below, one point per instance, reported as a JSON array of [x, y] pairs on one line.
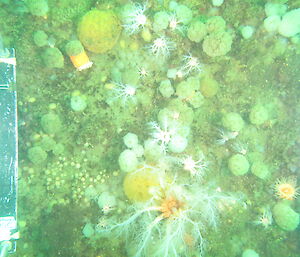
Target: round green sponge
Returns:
[[40, 38], [260, 170], [233, 121], [285, 217], [51, 123], [217, 43], [238, 164], [74, 47], [53, 58], [258, 115], [36, 154], [250, 253], [196, 31], [37, 7]]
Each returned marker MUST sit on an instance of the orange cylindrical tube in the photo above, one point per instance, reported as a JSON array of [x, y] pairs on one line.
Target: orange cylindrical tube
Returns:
[[81, 61]]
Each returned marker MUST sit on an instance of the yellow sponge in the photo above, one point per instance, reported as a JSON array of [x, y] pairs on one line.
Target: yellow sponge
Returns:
[[137, 184]]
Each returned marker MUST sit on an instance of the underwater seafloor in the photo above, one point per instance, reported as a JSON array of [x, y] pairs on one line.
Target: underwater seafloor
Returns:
[[215, 132]]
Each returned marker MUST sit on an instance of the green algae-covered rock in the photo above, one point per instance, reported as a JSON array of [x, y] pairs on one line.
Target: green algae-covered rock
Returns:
[[99, 30], [238, 164], [285, 217]]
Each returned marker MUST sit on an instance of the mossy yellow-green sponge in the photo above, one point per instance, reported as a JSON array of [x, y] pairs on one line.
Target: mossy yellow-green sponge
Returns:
[[99, 30], [137, 184]]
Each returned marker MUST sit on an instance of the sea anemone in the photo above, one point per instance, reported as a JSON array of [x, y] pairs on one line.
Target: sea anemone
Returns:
[[286, 188]]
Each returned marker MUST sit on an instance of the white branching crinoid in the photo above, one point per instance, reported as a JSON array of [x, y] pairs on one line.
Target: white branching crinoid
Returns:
[[125, 92], [136, 19], [191, 64], [195, 168], [162, 46]]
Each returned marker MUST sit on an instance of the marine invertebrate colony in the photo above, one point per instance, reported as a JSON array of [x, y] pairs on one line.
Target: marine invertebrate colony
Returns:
[[162, 47], [162, 135], [191, 63], [171, 223], [136, 19], [125, 92], [195, 168]]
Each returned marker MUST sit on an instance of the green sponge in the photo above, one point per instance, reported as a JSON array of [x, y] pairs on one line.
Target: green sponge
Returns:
[[250, 253], [51, 123], [37, 7], [53, 58], [74, 47], [258, 114], [40, 38], [196, 31], [233, 121], [238, 164], [260, 170], [36, 154], [285, 217], [217, 43]]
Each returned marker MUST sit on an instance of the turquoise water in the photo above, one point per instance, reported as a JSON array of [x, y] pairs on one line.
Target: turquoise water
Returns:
[[180, 138]]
